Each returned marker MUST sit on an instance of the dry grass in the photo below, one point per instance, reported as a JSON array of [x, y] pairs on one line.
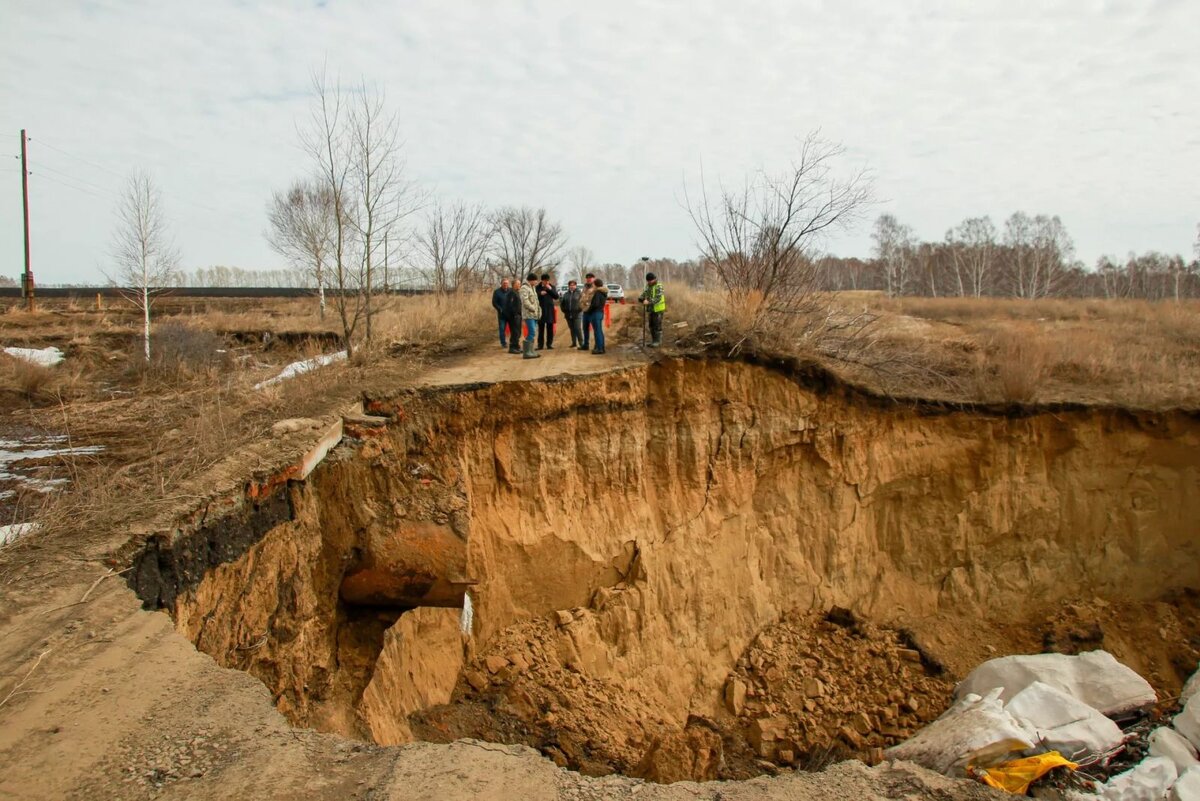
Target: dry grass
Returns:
[[169, 425], [1136, 354]]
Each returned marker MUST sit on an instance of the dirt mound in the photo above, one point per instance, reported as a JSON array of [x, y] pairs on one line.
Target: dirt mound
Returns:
[[806, 691]]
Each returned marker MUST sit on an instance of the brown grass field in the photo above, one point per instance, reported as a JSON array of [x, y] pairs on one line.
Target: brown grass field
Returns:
[[1127, 353]]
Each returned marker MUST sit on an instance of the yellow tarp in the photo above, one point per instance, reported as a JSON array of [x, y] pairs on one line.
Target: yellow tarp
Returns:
[[1017, 775]]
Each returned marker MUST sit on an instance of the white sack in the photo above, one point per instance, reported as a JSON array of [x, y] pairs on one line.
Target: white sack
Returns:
[[1063, 723], [1149, 780], [975, 731], [1187, 722], [1165, 742], [1187, 787], [1095, 678], [1190, 687]]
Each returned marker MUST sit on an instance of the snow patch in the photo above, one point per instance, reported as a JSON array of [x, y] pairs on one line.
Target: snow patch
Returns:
[[46, 357], [299, 368], [12, 531]]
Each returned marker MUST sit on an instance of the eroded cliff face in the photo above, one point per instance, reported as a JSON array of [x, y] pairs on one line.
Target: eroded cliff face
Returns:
[[680, 508]]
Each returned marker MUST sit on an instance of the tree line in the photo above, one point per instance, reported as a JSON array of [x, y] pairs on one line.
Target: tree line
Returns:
[[1028, 257]]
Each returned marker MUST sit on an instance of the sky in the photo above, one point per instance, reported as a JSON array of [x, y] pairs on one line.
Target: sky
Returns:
[[604, 112]]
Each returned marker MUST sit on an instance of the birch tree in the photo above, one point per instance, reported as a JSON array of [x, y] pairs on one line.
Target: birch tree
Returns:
[[972, 246], [143, 252], [895, 246], [383, 195], [301, 230]]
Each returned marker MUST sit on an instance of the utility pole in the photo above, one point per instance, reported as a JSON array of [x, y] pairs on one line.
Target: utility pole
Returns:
[[27, 276]]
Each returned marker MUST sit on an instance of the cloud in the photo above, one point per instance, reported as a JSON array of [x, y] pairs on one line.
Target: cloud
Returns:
[[601, 112]]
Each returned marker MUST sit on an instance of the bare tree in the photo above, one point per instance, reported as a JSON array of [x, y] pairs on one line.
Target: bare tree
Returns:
[[302, 230], [895, 247], [355, 147], [325, 142], [526, 241], [1039, 249], [454, 244], [972, 246], [383, 195], [143, 252], [762, 240], [580, 260]]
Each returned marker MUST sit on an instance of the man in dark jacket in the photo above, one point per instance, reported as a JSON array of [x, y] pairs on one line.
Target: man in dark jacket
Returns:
[[571, 305], [547, 295], [498, 298], [512, 316]]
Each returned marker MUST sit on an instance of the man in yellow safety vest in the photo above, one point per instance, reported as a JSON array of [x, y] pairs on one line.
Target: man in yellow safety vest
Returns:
[[655, 298]]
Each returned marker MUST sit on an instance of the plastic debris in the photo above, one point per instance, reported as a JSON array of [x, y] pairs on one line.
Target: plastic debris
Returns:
[[1016, 775]]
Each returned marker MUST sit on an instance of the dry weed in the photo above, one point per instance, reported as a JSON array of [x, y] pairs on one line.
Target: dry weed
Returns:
[[1018, 360]]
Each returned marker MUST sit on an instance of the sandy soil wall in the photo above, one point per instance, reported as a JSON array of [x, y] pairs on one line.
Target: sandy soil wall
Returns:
[[689, 504]]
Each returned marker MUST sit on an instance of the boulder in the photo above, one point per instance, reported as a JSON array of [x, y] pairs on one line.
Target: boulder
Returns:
[[735, 696], [766, 733]]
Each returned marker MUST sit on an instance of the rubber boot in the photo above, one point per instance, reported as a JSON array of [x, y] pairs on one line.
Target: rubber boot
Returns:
[[656, 342], [529, 352]]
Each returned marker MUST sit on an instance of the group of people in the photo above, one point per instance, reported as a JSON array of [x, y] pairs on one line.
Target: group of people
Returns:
[[530, 307]]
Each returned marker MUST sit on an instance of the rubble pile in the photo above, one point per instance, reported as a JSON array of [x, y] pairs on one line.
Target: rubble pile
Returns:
[[816, 686], [1066, 727], [806, 691]]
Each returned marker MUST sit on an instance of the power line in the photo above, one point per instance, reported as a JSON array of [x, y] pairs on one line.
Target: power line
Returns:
[[75, 178], [44, 143], [60, 182]]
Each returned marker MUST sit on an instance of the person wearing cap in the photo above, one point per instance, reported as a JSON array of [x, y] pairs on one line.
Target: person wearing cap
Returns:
[[654, 297], [531, 311], [585, 300]]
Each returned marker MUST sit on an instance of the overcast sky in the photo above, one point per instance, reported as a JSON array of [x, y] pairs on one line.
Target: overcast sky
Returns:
[[601, 111]]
